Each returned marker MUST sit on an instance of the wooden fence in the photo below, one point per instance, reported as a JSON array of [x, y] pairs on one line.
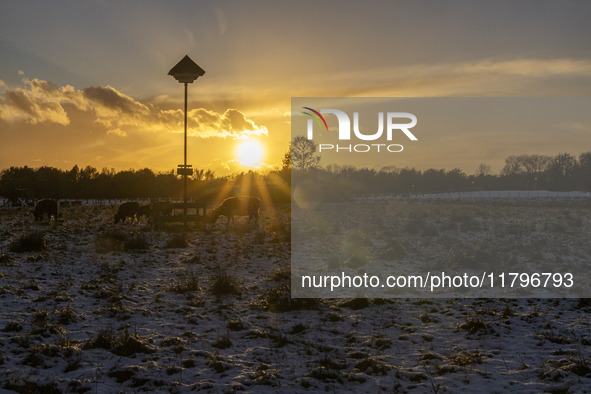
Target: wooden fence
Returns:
[[168, 212]]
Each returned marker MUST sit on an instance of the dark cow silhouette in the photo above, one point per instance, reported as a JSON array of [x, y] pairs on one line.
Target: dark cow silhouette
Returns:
[[162, 208], [127, 210], [144, 210], [46, 207], [236, 206]]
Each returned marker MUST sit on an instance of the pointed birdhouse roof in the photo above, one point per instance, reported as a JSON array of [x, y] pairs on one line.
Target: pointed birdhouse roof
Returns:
[[186, 71]]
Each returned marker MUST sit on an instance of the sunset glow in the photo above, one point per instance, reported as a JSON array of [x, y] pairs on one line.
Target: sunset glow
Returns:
[[295, 196], [250, 153], [58, 108]]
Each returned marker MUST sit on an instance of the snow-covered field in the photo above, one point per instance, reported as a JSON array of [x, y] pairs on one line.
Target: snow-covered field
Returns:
[[105, 308], [488, 194], [480, 238]]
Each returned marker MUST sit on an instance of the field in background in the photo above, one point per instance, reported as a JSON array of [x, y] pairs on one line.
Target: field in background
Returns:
[[384, 235], [488, 194]]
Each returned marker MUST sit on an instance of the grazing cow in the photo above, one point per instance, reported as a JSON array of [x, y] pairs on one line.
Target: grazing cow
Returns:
[[127, 210], [46, 207], [236, 206], [162, 208], [144, 210]]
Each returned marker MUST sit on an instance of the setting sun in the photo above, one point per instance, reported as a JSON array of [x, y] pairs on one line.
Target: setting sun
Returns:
[[250, 153]]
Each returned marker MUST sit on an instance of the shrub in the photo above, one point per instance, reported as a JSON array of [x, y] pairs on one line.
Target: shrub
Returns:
[[224, 283], [105, 339], [136, 242], [66, 315], [187, 282], [356, 303], [6, 260], [236, 325], [114, 240], [110, 241], [223, 342], [125, 344], [31, 242], [12, 326], [279, 299], [476, 325], [216, 362], [465, 357], [177, 241]]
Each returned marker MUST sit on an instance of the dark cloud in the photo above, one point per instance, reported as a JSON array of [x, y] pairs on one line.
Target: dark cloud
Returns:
[[111, 98], [19, 100]]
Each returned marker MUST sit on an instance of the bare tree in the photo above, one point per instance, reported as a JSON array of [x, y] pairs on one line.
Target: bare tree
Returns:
[[526, 164], [303, 154], [483, 170], [286, 162], [203, 175]]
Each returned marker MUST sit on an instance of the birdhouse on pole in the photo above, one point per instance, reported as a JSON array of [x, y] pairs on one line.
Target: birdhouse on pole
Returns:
[[186, 71]]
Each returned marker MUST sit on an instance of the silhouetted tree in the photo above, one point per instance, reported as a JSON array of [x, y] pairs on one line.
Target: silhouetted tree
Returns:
[[286, 162], [483, 169], [303, 154], [582, 174]]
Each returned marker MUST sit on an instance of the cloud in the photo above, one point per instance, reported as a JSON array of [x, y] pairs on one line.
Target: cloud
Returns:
[[232, 123], [483, 78], [222, 23], [109, 98], [37, 102], [118, 132], [40, 101]]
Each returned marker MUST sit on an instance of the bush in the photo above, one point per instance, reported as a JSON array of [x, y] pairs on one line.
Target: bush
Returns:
[[279, 299], [187, 283], [110, 241], [223, 342], [224, 283], [115, 240], [6, 260], [31, 242], [177, 241], [66, 315], [136, 242], [125, 344]]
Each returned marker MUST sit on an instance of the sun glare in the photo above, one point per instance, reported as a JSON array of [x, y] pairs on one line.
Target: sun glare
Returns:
[[250, 153]]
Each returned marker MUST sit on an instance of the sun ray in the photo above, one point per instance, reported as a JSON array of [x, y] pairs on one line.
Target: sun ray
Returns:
[[280, 183], [265, 196], [246, 180], [225, 192]]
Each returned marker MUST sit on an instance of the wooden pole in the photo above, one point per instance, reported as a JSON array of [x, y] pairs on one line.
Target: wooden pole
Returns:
[[185, 168]]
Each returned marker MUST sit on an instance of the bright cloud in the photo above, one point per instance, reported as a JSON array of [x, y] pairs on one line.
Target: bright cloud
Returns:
[[40, 102], [37, 102]]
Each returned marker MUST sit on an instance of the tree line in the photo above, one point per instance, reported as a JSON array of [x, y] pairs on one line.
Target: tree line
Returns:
[[26, 183], [563, 172]]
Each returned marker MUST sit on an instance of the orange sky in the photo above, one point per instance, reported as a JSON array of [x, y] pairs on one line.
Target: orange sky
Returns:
[[86, 84]]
